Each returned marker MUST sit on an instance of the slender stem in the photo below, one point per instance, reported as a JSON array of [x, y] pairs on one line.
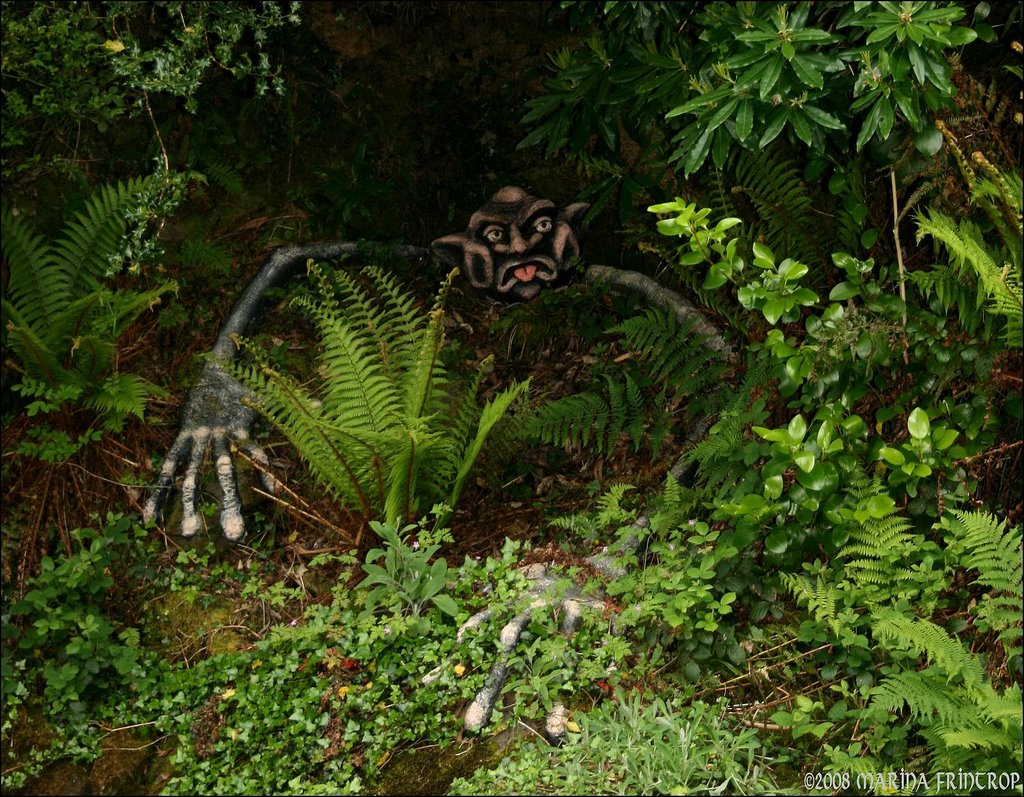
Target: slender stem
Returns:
[[899, 263]]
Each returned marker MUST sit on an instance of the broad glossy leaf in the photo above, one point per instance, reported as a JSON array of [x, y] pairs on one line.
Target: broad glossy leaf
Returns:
[[843, 291], [944, 438], [777, 541], [764, 254], [870, 125], [446, 605], [716, 278], [792, 269], [804, 461], [822, 118], [723, 113], [807, 73], [699, 152], [879, 506], [771, 76], [893, 456], [960, 35], [744, 120], [928, 141], [918, 424], [774, 127], [773, 310], [821, 478], [885, 118], [804, 296], [800, 125]]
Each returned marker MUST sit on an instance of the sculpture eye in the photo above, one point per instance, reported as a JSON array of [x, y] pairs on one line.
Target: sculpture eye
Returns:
[[494, 234], [542, 225]]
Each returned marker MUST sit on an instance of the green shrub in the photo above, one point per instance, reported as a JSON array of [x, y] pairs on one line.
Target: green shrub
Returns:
[[66, 635], [689, 83]]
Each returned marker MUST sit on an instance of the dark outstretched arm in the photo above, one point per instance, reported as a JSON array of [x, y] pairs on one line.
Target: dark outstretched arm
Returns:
[[214, 416]]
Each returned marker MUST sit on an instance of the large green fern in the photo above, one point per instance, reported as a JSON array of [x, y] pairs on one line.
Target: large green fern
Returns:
[[994, 551], [968, 723], [783, 216], [389, 431], [60, 320], [677, 364], [719, 455], [984, 282]]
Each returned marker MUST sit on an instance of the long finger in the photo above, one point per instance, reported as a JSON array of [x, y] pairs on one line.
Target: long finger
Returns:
[[231, 521], [259, 456], [480, 709], [191, 522], [175, 456]]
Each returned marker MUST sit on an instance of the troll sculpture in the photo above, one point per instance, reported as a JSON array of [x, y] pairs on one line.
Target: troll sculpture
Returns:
[[514, 247]]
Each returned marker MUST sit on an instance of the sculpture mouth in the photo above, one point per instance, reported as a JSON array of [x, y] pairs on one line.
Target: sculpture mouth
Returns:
[[525, 272]]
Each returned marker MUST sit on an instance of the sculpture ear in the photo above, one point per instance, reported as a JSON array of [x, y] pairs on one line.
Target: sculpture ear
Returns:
[[574, 213], [451, 249]]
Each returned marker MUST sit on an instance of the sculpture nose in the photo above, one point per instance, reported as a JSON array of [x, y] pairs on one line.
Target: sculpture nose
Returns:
[[516, 243]]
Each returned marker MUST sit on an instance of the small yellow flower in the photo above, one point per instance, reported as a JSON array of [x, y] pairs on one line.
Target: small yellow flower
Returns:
[[460, 670], [113, 45], [342, 691], [256, 664], [227, 693], [572, 726], [368, 685]]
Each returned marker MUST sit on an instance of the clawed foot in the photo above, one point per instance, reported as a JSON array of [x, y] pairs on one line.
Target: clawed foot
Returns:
[[545, 591]]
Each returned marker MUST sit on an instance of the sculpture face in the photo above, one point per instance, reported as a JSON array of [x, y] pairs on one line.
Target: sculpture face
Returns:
[[515, 245]]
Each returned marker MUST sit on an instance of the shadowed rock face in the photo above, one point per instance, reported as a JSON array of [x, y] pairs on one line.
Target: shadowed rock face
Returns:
[[515, 245]]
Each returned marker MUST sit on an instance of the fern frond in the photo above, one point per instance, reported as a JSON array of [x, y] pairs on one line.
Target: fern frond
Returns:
[[38, 286], [121, 395], [953, 291], [819, 597], [333, 454], [974, 259], [987, 545], [925, 637], [674, 355], [921, 693], [38, 358], [610, 510], [424, 394], [92, 238], [224, 177], [785, 219], [205, 255], [493, 411], [716, 455], [881, 547], [357, 391], [381, 430], [570, 421]]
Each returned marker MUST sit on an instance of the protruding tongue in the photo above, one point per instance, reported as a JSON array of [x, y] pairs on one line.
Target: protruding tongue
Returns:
[[525, 273]]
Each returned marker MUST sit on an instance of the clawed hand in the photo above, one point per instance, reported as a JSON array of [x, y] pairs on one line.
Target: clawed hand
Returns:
[[215, 418]]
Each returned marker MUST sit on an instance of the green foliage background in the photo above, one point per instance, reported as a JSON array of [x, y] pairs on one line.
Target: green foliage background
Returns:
[[830, 578]]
